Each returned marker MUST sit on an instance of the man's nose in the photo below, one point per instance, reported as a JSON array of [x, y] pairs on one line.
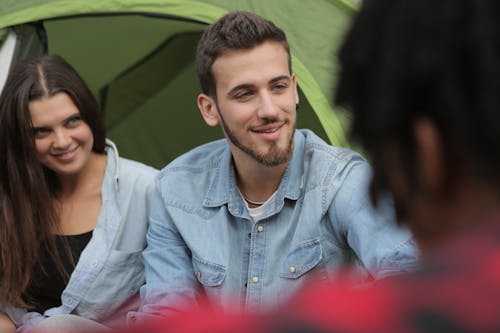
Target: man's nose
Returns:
[[267, 107]]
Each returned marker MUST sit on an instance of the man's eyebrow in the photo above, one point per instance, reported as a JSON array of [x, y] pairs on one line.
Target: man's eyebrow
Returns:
[[280, 78]]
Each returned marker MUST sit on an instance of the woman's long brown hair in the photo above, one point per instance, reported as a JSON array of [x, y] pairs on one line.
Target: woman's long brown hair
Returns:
[[28, 218]]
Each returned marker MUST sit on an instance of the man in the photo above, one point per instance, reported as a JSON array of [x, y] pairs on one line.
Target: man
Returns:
[[245, 221], [422, 79]]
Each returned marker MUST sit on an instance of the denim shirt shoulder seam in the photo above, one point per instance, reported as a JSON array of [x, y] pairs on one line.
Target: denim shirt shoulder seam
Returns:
[[338, 162], [170, 201]]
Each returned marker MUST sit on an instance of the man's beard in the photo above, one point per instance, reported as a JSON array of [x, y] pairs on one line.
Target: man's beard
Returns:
[[274, 156]]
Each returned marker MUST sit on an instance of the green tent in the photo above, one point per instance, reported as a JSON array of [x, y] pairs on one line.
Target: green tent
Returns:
[[138, 58]]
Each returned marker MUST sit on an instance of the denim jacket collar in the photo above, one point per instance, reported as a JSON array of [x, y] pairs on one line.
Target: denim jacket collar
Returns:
[[224, 190], [113, 167], [109, 192]]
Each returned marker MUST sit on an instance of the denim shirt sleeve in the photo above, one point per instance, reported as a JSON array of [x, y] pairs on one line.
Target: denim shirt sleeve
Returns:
[[380, 244], [22, 319], [170, 278]]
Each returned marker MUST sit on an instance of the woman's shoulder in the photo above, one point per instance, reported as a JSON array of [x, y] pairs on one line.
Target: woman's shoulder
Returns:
[[122, 167], [134, 169]]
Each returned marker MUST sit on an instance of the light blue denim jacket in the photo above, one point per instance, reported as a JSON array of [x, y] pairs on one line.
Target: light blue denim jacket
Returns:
[[202, 241], [105, 282]]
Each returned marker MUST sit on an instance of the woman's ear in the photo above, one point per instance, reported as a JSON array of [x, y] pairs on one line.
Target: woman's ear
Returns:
[[429, 148], [208, 109]]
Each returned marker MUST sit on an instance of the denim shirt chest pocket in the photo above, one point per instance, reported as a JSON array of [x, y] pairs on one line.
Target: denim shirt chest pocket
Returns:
[[306, 257], [210, 276], [119, 280]]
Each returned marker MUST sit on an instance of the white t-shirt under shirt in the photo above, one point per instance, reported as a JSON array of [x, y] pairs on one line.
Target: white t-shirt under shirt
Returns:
[[257, 212]]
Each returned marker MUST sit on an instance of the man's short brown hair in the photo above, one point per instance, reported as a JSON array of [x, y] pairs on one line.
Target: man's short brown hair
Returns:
[[236, 30]]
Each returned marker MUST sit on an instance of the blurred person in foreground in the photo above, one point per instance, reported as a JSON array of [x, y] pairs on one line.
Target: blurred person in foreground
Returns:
[[422, 79]]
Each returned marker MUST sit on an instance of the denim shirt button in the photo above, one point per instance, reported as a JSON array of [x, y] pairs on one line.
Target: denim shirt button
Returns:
[[255, 279], [292, 269], [260, 228]]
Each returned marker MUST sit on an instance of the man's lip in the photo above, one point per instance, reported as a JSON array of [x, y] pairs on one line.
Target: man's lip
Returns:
[[268, 128]]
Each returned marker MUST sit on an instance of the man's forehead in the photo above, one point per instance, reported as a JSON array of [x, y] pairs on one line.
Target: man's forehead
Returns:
[[260, 64]]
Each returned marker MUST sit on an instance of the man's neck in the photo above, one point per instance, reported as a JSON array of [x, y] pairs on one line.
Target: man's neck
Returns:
[[256, 181]]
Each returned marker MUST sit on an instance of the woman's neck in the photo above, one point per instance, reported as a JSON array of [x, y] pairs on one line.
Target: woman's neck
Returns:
[[79, 200], [87, 180]]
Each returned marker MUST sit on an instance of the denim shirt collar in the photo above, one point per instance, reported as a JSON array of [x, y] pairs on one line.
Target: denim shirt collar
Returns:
[[224, 190], [109, 192], [112, 167], [96, 252]]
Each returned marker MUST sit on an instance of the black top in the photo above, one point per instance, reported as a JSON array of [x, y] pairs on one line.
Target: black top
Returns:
[[47, 284]]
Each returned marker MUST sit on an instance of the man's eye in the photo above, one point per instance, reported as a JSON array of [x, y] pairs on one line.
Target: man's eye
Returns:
[[244, 95], [280, 87]]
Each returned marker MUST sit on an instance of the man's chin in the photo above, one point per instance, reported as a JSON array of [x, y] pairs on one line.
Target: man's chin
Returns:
[[273, 159]]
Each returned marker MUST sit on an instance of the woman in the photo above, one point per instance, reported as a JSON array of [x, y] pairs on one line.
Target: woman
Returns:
[[73, 215]]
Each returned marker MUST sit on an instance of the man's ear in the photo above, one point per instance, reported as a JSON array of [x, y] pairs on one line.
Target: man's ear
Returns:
[[294, 82], [431, 162], [208, 109]]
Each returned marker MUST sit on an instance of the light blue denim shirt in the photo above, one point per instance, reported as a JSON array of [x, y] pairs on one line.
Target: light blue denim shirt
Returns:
[[105, 283], [202, 241]]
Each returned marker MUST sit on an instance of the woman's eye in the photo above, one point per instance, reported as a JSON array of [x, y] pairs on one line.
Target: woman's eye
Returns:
[[40, 132], [74, 121]]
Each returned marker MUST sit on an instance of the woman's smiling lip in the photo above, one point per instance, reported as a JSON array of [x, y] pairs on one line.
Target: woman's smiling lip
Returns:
[[66, 156]]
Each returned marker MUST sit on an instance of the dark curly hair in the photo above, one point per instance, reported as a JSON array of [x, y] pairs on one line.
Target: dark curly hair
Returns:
[[402, 60]]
